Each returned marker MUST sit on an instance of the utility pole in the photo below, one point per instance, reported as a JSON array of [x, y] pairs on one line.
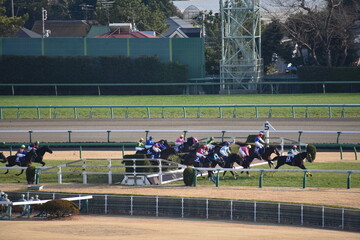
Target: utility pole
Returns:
[[44, 17]]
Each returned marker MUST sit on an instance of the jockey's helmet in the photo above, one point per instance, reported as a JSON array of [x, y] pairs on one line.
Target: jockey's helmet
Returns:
[[37, 142], [294, 146], [249, 146], [227, 143], [141, 139], [22, 146], [206, 148], [181, 136], [261, 133], [151, 137], [211, 138]]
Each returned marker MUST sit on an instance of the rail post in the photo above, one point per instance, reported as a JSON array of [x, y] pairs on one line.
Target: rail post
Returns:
[[80, 149], [184, 112], [330, 113], [256, 112], [349, 180], [123, 150], [59, 175], [222, 135], [234, 113], [91, 113], [127, 113], [108, 136], [38, 113], [110, 171], [293, 111], [270, 112], [75, 113], [160, 172], [220, 113], [195, 179], [198, 113], [69, 132], [112, 113], [304, 179], [355, 153], [1, 113], [338, 137], [148, 112], [30, 136], [18, 113], [307, 113], [217, 179], [341, 152], [162, 113], [299, 138], [37, 176], [261, 178]]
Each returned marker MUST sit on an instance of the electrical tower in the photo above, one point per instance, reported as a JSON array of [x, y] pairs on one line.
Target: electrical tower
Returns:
[[241, 64]]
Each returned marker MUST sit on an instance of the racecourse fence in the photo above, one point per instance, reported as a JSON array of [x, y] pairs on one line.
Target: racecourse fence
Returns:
[[216, 209], [181, 111]]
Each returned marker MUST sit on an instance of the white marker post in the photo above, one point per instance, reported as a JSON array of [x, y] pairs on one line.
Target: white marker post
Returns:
[[266, 128]]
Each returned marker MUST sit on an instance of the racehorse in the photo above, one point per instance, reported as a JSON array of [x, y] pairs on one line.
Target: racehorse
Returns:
[[11, 160], [189, 145], [40, 154], [265, 155], [164, 154], [211, 161], [296, 161], [235, 158]]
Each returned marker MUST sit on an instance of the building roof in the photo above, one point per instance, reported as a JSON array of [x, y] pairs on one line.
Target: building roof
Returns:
[[63, 28], [96, 30], [26, 33], [180, 27], [135, 34]]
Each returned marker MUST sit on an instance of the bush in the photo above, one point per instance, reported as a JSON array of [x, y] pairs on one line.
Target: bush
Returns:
[[188, 176], [311, 149], [138, 163], [30, 175], [59, 208]]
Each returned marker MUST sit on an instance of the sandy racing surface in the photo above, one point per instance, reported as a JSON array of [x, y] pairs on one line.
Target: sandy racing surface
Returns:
[[134, 228]]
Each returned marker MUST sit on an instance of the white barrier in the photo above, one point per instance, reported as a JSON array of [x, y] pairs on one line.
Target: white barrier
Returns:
[[10, 204]]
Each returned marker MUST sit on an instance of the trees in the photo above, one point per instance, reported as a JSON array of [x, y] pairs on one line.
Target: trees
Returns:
[[10, 25], [323, 28]]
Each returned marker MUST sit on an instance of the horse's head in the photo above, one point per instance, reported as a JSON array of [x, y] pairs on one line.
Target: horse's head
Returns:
[[47, 149], [308, 157], [2, 156]]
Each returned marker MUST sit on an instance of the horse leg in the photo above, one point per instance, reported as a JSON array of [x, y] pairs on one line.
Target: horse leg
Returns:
[[20, 173], [223, 177], [233, 174], [307, 173], [7, 171]]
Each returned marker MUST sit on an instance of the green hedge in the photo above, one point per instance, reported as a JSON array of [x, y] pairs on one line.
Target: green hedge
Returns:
[[82, 70], [320, 73]]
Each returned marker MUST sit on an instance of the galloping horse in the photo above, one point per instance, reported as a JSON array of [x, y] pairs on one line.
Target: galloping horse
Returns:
[[211, 161], [164, 154], [11, 160], [296, 161], [235, 158], [265, 155], [40, 154]]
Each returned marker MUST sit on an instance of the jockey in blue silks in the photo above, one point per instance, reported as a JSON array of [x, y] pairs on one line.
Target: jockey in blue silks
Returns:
[[225, 151], [259, 143]]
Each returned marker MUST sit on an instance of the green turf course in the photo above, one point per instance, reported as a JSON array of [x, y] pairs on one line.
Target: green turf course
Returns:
[[280, 179], [293, 179], [248, 112]]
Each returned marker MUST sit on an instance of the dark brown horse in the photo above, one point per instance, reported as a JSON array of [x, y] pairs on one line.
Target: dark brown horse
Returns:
[[11, 161], [235, 158], [211, 161], [295, 161], [40, 151], [265, 155]]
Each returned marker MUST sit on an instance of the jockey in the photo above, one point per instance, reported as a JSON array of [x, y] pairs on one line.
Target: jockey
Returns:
[[149, 143], [34, 146], [293, 151], [210, 142], [178, 142], [259, 142], [159, 146], [244, 150], [140, 145], [225, 150], [20, 154], [201, 153]]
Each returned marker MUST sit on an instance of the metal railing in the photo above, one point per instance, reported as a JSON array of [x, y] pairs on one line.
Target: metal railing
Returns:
[[335, 218], [209, 81], [183, 110], [262, 171]]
